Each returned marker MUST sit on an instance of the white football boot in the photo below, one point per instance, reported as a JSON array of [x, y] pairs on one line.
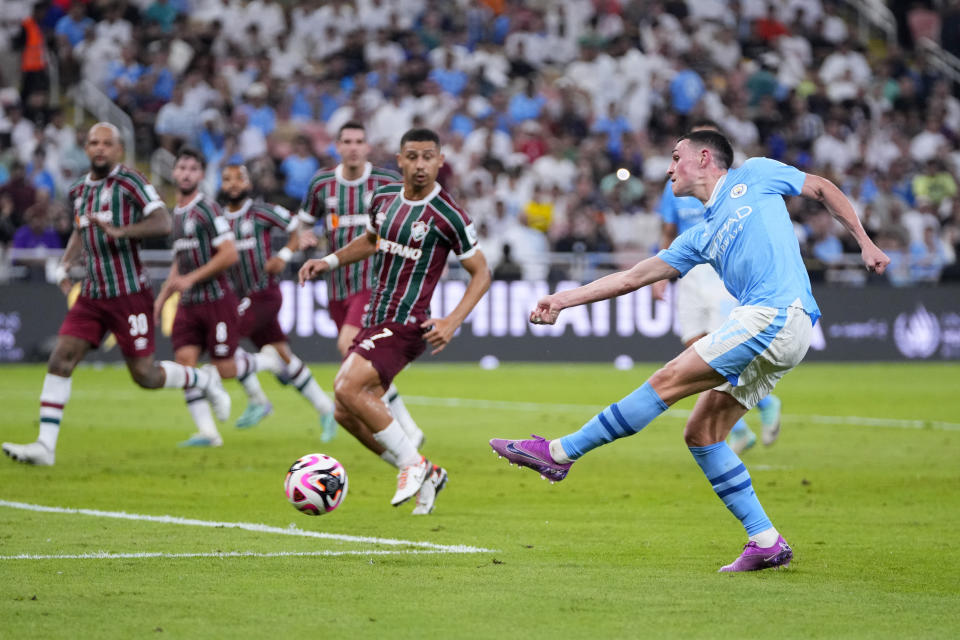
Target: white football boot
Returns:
[[410, 479], [427, 496], [33, 453], [217, 395]]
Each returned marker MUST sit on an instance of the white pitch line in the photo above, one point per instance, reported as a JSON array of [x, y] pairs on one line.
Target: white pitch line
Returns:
[[246, 526], [507, 405], [104, 555]]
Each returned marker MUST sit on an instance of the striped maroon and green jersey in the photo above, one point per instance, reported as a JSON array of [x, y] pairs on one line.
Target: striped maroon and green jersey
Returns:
[[198, 229], [124, 197], [251, 225], [415, 239], [339, 207]]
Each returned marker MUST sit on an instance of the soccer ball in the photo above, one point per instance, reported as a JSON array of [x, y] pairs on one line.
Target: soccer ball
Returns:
[[316, 484]]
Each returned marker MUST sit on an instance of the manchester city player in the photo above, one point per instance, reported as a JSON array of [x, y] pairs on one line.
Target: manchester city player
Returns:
[[703, 303], [746, 235]]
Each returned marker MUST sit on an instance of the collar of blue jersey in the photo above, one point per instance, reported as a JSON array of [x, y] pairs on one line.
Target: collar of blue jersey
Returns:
[[429, 196], [716, 190], [197, 198], [233, 215], [90, 181], [367, 168]]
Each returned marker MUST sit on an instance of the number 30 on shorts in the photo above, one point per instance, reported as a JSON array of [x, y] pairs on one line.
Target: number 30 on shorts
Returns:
[[139, 325]]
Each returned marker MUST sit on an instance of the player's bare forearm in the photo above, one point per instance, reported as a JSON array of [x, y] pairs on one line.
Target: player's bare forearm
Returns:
[[72, 251], [616, 284], [824, 191], [225, 257], [156, 224], [476, 266], [358, 249], [442, 329]]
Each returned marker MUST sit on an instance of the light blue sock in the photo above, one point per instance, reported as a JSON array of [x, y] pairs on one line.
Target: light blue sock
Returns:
[[764, 403], [731, 481], [620, 419], [740, 427]]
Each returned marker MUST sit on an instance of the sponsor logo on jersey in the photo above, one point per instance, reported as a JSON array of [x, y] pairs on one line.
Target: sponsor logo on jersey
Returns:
[[102, 216], [335, 222], [189, 227], [245, 244], [738, 190], [390, 247], [246, 227], [185, 244]]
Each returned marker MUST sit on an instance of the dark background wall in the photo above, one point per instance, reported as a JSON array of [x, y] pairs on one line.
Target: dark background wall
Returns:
[[859, 324]]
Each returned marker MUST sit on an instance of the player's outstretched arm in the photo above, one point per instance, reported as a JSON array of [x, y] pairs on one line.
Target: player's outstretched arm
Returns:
[[225, 257], [277, 262], [822, 190], [156, 224], [616, 284], [67, 260], [167, 289], [360, 248], [442, 329]]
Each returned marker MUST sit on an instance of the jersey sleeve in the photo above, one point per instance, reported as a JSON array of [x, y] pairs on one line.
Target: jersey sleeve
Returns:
[[273, 215], [216, 225], [142, 194], [311, 209], [683, 253], [376, 203], [460, 231], [776, 177], [666, 207]]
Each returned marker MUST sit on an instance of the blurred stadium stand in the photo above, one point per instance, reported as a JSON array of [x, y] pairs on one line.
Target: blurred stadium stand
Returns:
[[539, 105]]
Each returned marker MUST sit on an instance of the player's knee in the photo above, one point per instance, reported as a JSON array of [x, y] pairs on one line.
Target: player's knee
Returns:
[[62, 362], [345, 391], [147, 377], [59, 367]]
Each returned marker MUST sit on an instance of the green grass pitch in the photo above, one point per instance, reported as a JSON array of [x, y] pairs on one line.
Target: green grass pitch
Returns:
[[864, 484]]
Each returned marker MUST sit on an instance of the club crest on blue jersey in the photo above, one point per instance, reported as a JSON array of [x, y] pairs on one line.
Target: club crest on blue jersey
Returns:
[[738, 190]]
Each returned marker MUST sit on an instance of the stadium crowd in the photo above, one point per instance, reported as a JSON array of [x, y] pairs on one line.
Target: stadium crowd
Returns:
[[557, 117]]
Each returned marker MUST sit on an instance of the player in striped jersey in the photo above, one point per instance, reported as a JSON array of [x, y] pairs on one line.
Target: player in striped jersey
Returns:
[[254, 280], [206, 319], [337, 202], [113, 207], [413, 227]]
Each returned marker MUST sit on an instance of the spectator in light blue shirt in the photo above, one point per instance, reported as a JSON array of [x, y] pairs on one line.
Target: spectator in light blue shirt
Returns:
[[74, 25], [450, 79], [614, 125], [527, 105], [299, 167], [686, 89], [259, 113]]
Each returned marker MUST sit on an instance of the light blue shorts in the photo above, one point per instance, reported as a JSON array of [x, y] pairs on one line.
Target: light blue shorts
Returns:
[[755, 347]]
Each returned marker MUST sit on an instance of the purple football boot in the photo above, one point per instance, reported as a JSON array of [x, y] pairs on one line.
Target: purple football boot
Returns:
[[755, 558], [533, 453]]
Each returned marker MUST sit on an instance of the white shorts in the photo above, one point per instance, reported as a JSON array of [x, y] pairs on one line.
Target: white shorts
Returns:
[[756, 347], [703, 303]]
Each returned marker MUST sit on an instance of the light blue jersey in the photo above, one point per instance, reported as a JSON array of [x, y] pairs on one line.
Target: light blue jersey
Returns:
[[684, 211], [747, 237]]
